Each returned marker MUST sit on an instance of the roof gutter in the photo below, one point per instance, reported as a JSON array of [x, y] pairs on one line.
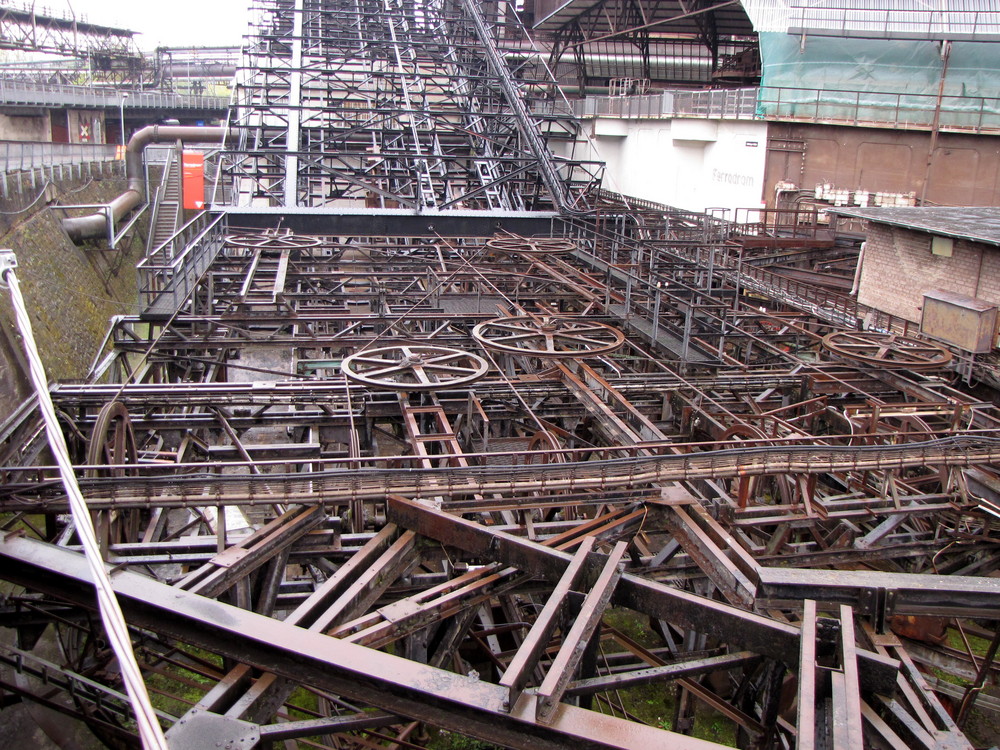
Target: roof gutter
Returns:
[[95, 225]]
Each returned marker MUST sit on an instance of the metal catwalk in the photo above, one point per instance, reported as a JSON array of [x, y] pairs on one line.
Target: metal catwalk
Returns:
[[597, 486]]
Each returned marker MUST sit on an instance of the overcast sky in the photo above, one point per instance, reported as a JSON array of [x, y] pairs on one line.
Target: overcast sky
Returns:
[[173, 23]]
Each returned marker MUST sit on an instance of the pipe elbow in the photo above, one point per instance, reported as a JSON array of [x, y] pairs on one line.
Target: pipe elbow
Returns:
[[88, 227]]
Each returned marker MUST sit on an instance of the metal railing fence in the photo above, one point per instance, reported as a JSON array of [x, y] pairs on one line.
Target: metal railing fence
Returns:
[[16, 91], [170, 272], [976, 114], [26, 155], [893, 22], [739, 104]]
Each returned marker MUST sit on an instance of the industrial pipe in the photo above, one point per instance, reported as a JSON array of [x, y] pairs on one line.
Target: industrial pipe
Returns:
[[87, 227], [199, 70], [857, 271]]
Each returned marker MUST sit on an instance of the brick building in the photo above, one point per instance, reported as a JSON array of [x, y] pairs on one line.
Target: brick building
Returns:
[[919, 258]]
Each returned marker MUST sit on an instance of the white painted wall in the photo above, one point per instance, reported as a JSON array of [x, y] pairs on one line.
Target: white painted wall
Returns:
[[25, 127], [688, 163]]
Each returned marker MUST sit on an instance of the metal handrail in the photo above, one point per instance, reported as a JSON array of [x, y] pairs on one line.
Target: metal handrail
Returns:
[[162, 273], [736, 104], [926, 23], [25, 155], [158, 200], [827, 305], [977, 114], [13, 91]]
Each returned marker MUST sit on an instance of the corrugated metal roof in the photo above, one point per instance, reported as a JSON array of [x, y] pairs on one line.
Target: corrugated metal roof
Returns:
[[932, 19], [562, 14], [976, 223]]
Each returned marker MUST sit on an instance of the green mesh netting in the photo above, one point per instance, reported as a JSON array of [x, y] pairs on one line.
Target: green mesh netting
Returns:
[[880, 81]]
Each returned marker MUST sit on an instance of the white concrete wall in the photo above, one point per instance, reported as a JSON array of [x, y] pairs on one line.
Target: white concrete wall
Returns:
[[25, 127], [688, 163]]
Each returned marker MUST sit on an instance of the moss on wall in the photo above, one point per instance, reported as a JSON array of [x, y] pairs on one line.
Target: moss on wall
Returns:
[[71, 291]]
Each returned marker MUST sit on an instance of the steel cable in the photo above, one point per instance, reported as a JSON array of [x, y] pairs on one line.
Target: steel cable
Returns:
[[150, 731]]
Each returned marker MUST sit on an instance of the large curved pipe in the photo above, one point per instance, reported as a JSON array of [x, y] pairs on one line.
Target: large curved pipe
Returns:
[[87, 227]]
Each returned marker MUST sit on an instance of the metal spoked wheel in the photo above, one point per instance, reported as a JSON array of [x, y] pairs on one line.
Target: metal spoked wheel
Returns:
[[111, 450], [887, 350], [112, 443], [407, 367], [268, 241], [543, 440], [549, 336], [532, 245]]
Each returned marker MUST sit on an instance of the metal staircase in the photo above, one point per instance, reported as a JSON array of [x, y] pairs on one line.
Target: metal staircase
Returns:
[[168, 214]]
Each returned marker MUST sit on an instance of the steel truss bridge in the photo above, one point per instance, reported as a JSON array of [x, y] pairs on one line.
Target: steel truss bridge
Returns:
[[109, 51], [420, 433]]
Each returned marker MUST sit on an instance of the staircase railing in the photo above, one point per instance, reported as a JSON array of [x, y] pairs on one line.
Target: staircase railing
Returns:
[[157, 201]]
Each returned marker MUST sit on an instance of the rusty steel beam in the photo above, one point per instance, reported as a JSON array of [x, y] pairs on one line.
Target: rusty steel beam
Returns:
[[236, 562], [878, 594], [714, 550], [368, 584], [849, 714], [524, 662], [586, 622], [670, 671], [412, 614], [729, 624], [464, 705], [290, 730], [339, 595], [805, 724]]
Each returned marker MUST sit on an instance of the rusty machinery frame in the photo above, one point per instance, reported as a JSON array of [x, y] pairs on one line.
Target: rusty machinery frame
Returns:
[[646, 468], [713, 477]]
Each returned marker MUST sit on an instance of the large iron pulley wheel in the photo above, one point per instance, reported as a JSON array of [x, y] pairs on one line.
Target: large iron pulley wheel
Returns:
[[266, 241], [532, 245], [887, 350], [549, 336], [112, 443], [110, 451], [407, 367], [543, 440]]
